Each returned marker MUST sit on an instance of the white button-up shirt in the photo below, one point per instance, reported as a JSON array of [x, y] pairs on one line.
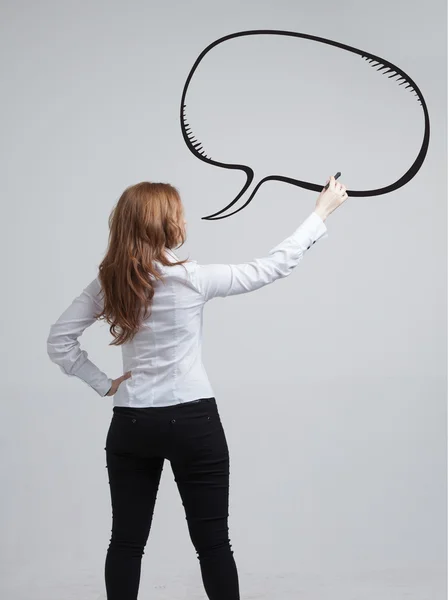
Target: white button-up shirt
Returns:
[[165, 356]]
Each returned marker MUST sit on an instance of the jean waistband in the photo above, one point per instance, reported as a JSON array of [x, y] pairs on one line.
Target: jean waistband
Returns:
[[168, 407]]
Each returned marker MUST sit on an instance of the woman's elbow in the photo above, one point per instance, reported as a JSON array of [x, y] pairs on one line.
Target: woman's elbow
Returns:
[[54, 347]]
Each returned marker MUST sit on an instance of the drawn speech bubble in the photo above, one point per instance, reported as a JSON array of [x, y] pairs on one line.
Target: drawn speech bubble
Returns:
[[395, 77]]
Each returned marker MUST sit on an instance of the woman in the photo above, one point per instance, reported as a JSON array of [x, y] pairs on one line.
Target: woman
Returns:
[[164, 405]]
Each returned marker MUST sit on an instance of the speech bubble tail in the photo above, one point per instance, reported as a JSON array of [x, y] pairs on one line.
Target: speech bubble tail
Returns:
[[215, 217]]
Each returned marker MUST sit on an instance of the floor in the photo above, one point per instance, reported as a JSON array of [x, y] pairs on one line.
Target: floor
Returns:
[[84, 584]]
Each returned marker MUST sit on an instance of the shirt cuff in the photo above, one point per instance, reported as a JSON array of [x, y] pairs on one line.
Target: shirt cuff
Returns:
[[94, 377], [311, 230]]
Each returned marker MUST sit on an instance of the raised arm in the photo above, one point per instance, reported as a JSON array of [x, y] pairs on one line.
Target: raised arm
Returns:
[[63, 346], [220, 280]]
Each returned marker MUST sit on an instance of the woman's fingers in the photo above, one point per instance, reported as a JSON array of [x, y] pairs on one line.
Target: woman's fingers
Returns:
[[125, 376], [116, 383]]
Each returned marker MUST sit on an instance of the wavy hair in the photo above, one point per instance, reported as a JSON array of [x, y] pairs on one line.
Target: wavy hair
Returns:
[[147, 220]]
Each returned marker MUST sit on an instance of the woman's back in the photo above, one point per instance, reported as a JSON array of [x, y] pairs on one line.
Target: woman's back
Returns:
[[165, 355]]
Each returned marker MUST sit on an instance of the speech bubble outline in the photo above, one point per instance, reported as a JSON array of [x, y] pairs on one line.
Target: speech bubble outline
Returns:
[[375, 61]]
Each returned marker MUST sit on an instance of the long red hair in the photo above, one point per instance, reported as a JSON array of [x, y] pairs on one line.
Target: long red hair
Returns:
[[147, 219]]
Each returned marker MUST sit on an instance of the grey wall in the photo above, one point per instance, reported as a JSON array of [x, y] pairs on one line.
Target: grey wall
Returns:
[[331, 383]]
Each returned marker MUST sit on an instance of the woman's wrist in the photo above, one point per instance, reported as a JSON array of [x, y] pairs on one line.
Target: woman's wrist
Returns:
[[321, 213]]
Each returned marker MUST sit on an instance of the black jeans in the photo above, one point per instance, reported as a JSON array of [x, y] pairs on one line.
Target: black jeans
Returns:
[[192, 438]]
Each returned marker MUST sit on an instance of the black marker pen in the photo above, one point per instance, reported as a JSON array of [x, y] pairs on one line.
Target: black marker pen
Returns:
[[338, 174]]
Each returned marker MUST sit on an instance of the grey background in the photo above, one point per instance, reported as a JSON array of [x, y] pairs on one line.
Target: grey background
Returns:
[[331, 384]]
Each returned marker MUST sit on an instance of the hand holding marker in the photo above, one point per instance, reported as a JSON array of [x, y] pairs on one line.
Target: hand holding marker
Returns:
[[331, 197], [338, 174]]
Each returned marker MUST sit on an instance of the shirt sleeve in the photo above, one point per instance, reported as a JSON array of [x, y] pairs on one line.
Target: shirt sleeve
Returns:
[[221, 280], [63, 346]]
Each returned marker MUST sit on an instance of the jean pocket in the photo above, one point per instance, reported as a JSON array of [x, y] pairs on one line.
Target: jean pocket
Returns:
[[125, 414], [197, 418]]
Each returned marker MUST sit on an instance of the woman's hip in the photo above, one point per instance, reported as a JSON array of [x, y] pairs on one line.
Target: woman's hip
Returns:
[[182, 429]]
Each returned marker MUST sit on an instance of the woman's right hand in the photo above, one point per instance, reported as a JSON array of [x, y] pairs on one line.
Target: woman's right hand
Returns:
[[331, 198]]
